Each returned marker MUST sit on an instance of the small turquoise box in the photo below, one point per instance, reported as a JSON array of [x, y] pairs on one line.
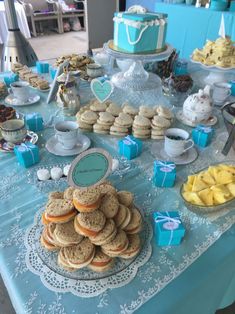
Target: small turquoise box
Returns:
[[164, 173], [42, 67], [27, 154], [202, 135], [139, 32], [34, 121], [168, 228], [10, 78], [130, 147]]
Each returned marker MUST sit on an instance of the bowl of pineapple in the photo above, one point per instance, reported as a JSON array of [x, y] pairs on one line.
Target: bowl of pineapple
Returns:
[[211, 189]]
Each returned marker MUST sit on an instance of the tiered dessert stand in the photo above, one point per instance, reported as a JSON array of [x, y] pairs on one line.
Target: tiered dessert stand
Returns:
[[136, 78], [216, 73]]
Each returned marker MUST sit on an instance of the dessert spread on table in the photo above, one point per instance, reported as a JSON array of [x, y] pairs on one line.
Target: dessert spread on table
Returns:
[[76, 62], [91, 227], [26, 74], [211, 187], [109, 118], [139, 31], [219, 53]]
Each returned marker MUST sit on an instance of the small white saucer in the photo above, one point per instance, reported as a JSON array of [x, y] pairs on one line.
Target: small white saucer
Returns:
[[189, 156], [181, 118], [13, 101], [54, 147]]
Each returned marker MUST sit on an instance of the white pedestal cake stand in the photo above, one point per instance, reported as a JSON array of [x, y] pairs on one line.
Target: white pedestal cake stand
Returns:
[[136, 78], [216, 74]]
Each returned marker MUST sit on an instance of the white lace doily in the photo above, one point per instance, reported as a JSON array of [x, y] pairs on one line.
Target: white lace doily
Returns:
[[84, 282]]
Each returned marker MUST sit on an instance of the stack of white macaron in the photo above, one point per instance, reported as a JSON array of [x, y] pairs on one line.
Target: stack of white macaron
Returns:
[[54, 173], [109, 118]]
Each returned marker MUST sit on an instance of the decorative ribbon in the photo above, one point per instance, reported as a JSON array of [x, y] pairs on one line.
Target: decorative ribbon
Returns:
[[166, 218], [129, 141], [170, 167], [23, 147]]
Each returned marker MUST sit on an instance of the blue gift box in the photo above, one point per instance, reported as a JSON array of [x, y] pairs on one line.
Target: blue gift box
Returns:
[[34, 121], [202, 135], [10, 78], [164, 173], [130, 147], [42, 67], [27, 154], [139, 32], [168, 228]]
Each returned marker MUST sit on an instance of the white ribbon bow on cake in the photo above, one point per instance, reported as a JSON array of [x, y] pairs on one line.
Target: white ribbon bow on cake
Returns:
[[137, 9]]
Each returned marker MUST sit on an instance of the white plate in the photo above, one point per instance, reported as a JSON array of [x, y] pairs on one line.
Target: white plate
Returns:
[[54, 147], [158, 151], [212, 67], [13, 101], [180, 116]]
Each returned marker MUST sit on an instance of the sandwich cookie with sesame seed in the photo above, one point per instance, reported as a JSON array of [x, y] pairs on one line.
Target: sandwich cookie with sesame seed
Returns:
[[59, 211], [135, 224], [101, 262], [133, 247], [89, 224], [86, 200], [118, 245], [106, 235], [65, 234]]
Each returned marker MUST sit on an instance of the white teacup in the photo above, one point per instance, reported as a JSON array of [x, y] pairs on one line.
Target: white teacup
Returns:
[[20, 90], [67, 133], [221, 91], [177, 142], [14, 131]]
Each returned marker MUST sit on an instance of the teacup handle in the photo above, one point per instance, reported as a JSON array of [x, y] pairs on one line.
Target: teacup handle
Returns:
[[10, 91], [229, 92], [190, 146]]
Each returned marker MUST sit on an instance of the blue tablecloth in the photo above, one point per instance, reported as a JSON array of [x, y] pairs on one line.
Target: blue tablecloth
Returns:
[[206, 285], [190, 27]]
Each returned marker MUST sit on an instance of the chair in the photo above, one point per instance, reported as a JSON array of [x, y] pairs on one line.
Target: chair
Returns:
[[76, 9], [42, 10]]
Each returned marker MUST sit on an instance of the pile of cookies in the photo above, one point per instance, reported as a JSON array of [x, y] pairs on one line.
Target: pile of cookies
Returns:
[[109, 118], [26, 74], [6, 113], [76, 62], [91, 227], [3, 90], [220, 52]]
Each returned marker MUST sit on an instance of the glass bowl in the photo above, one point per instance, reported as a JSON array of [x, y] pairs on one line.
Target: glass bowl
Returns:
[[205, 209]]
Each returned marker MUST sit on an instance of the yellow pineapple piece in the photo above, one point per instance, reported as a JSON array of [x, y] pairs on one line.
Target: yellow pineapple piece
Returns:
[[192, 198], [228, 168], [212, 170], [224, 177], [198, 184], [206, 196], [191, 179], [221, 188], [206, 177], [188, 187], [219, 197], [231, 187]]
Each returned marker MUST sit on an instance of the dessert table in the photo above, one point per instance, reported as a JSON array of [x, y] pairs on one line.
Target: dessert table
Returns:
[[21, 18], [196, 277]]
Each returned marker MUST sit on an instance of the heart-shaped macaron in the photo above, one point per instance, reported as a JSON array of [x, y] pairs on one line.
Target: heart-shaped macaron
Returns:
[[101, 90]]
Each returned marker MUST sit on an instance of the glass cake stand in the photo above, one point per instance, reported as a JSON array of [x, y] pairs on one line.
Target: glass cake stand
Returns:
[[216, 74], [136, 78]]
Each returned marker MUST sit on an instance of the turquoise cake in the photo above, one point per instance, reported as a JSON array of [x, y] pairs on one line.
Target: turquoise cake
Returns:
[[139, 32]]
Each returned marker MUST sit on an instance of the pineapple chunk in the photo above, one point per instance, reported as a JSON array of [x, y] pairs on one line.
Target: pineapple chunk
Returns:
[[198, 184], [193, 198], [231, 187], [206, 196]]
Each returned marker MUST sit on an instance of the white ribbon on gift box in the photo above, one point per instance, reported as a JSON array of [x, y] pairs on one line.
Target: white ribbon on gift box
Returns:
[[204, 129], [23, 147], [174, 226], [170, 166], [129, 141]]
